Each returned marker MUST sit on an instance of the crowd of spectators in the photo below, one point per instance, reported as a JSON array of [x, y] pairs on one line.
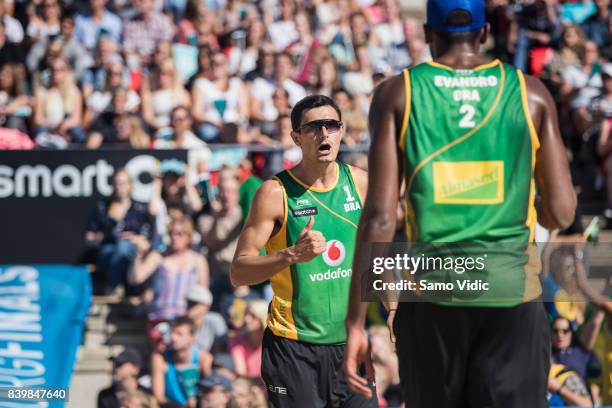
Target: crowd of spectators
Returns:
[[192, 74]]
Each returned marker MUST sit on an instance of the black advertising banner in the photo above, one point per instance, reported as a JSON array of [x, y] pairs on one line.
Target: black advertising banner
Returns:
[[46, 197]]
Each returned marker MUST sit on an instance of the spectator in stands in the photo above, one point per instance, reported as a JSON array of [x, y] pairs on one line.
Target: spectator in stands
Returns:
[[353, 118], [575, 353], [211, 329], [181, 137], [604, 143], [143, 31], [10, 52], [256, 36], [305, 50], [120, 227], [245, 394], [359, 81], [568, 54], [597, 27], [204, 66], [104, 55], [175, 373], [98, 20], [539, 25], [581, 83], [161, 93], [15, 104], [218, 100], [13, 28], [116, 127], [58, 111], [195, 13], [172, 191], [566, 388], [262, 89], [215, 391], [327, 77], [264, 68], [101, 100], [126, 367], [45, 22], [172, 272], [67, 46], [220, 230], [282, 28], [245, 346]]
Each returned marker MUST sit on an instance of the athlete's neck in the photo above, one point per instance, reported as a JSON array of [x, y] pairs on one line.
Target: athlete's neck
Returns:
[[461, 56], [318, 175]]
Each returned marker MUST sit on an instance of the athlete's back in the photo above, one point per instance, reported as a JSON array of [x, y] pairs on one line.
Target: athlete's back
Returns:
[[469, 150], [471, 157]]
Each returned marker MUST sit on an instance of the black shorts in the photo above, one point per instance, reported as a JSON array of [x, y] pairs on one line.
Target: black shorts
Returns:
[[453, 357], [306, 375]]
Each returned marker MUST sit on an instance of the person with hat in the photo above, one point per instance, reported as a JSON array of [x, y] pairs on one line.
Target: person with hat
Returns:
[[215, 390], [126, 367], [469, 138], [211, 329]]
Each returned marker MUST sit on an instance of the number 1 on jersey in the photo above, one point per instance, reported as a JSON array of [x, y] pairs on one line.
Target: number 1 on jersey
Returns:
[[349, 197], [468, 112]]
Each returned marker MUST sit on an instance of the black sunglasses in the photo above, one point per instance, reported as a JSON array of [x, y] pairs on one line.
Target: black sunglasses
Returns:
[[332, 126], [563, 331]]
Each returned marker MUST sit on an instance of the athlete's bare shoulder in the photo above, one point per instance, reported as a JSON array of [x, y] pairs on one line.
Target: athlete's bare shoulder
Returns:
[[361, 178], [268, 202], [539, 98], [389, 99]]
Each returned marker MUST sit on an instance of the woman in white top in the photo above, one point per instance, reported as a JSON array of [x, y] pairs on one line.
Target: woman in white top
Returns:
[[162, 92], [45, 21], [58, 108], [219, 100], [100, 100]]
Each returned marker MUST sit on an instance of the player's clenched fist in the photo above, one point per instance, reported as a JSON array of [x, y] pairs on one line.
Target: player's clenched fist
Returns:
[[308, 245]]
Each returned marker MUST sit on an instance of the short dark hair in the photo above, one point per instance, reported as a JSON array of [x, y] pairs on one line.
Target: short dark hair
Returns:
[[184, 321], [308, 103], [178, 108]]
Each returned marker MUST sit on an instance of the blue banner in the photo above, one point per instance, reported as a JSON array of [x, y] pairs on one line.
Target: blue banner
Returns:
[[43, 309]]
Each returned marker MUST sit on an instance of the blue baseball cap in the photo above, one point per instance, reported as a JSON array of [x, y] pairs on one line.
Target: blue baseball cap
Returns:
[[438, 11]]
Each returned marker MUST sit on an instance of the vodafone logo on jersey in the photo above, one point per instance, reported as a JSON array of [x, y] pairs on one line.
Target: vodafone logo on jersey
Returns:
[[334, 253]]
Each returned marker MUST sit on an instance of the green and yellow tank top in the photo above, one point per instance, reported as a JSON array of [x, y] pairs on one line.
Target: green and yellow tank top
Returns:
[[311, 299], [469, 148]]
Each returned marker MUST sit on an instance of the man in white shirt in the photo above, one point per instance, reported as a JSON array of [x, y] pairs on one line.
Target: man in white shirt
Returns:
[[211, 328], [180, 136]]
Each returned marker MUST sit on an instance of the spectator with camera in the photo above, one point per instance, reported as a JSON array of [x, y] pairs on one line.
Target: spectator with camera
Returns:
[[175, 372]]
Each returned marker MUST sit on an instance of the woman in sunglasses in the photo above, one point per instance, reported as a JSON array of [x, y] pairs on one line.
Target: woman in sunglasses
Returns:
[[306, 218], [576, 353]]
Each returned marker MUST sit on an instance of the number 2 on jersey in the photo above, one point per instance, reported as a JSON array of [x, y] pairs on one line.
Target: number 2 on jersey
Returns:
[[468, 112]]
